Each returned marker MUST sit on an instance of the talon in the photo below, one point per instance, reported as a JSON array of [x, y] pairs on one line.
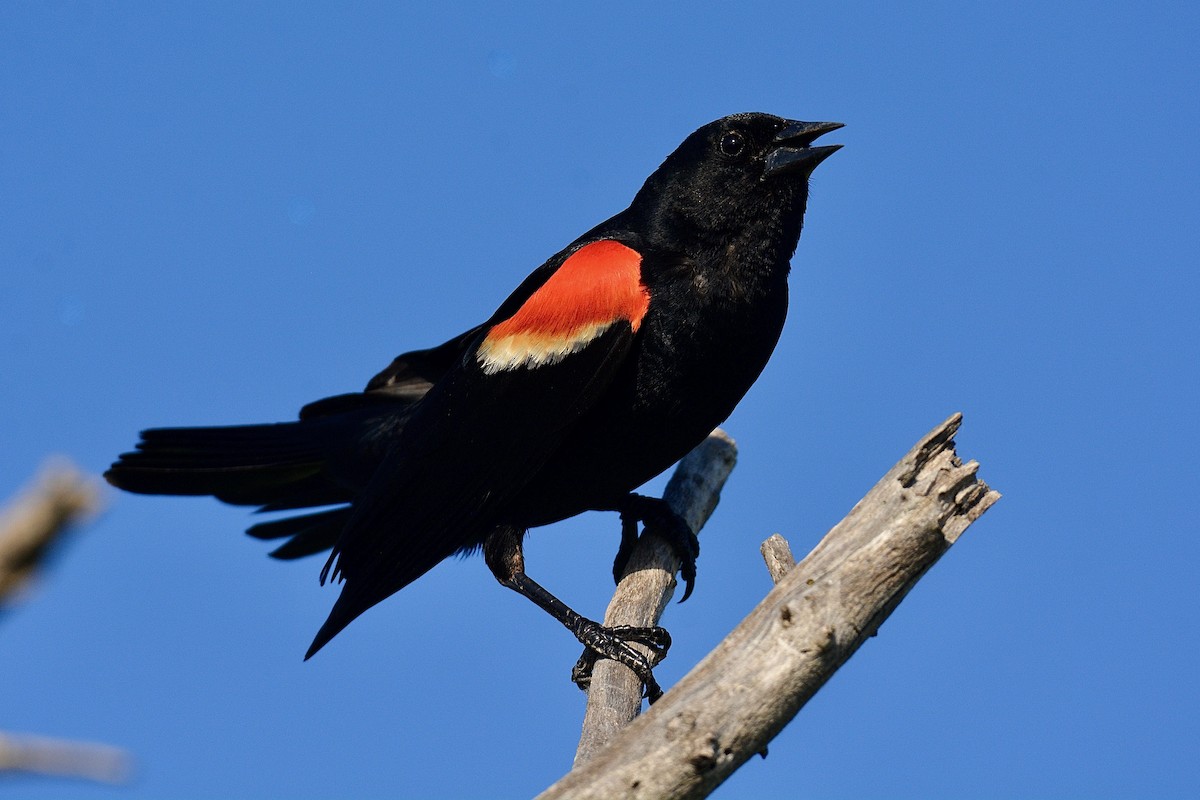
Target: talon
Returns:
[[614, 643], [629, 537], [672, 528], [581, 673], [503, 554], [687, 571]]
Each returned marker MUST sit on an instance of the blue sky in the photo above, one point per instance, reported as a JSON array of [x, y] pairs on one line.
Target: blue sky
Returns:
[[214, 214]]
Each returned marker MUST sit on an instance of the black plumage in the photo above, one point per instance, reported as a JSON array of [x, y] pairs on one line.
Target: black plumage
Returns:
[[604, 367]]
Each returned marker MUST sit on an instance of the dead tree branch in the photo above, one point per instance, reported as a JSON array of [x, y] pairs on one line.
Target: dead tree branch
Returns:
[[30, 525], [744, 692], [39, 755], [615, 693]]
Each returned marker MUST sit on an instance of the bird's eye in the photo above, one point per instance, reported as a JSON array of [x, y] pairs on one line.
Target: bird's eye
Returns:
[[733, 143]]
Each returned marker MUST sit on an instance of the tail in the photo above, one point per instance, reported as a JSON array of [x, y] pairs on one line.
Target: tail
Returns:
[[343, 613], [276, 465], [316, 462]]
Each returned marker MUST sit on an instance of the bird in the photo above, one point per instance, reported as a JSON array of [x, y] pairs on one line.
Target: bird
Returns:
[[605, 366]]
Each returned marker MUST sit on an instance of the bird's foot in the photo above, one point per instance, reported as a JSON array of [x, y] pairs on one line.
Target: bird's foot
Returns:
[[661, 520], [601, 642]]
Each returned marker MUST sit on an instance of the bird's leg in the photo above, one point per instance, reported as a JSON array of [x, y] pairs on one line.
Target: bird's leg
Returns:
[[662, 520], [502, 550]]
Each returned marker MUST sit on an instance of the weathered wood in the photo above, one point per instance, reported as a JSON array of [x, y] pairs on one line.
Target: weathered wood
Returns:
[[743, 693], [615, 693], [778, 556]]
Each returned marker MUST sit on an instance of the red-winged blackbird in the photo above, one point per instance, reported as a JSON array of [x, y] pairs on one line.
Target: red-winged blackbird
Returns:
[[605, 366]]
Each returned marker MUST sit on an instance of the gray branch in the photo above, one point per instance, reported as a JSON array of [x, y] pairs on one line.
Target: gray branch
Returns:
[[645, 589], [744, 692]]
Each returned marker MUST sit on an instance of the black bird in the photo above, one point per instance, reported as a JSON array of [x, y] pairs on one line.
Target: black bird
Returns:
[[607, 364]]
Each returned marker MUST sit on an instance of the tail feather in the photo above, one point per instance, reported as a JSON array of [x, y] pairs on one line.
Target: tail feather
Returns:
[[322, 460], [344, 611], [307, 534], [310, 541], [290, 526], [300, 491], [277, 467], [245, 463]]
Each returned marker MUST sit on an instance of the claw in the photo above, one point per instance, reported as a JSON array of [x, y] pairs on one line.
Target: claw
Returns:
[[629, 537], [689, 580], [581, 673], [662, 520], [600, 642]]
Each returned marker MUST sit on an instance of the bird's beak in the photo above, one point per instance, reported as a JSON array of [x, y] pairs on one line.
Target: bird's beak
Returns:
[[792, 152]]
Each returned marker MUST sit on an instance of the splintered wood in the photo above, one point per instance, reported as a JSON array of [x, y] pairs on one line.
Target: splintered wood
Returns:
[[820, 612]]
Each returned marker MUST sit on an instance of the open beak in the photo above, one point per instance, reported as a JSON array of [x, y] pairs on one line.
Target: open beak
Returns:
[[792, 152]]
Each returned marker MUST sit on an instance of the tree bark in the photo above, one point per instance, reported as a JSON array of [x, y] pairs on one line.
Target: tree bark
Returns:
[[778, 556], [744, 692]]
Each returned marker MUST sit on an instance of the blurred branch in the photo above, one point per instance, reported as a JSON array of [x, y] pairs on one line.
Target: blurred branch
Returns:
[[615, 693], [746, 690], [30, 525], [59, 758]]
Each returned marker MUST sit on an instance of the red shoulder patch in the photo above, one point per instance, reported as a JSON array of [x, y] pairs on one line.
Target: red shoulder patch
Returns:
[[598, 285]]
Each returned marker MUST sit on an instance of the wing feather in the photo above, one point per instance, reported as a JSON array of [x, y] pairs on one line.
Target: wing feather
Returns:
[[479, 433]]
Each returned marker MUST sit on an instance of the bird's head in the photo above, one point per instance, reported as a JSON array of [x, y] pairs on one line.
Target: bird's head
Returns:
[[745, 173]]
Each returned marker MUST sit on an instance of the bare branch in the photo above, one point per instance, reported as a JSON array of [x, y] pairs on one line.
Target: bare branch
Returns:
[[56, 757], [59, 497], [743, 693], [615, 694]]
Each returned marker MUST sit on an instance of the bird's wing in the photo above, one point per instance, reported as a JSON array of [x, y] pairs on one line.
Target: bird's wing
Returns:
[[403, 382], [486, 426]]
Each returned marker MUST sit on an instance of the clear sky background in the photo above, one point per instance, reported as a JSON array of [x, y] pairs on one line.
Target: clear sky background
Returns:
[[214, 213]]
